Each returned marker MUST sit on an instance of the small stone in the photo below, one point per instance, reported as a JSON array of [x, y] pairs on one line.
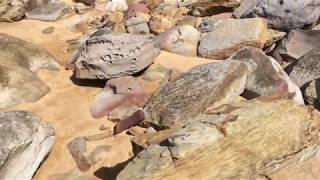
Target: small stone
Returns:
[[48, 30], [77, 148]]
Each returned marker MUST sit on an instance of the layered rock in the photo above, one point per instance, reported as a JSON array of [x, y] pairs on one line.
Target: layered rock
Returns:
[[115, 55], [229, 35], [181, 40], [281, 14], [25, 142]]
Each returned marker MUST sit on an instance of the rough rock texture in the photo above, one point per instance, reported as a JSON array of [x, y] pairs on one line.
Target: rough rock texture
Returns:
[[204, 86], [12, 10], [116, 5], [260, 138], [207, 7], [121, 93], [181, 40], [137, 25], [281, 14], [267, 77], [115, 55], [190, 20], [296, 44], [25, 142], [47, 12], [230, 35], [311, 93]]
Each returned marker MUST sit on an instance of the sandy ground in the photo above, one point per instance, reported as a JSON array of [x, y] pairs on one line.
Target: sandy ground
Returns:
[[66, 106]]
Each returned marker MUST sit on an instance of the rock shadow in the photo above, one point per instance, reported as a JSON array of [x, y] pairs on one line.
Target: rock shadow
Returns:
[[111, 173]]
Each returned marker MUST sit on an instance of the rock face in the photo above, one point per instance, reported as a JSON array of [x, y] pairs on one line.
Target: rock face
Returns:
[[281, 14], [48, 12], [229, 36], [245, 149], [296, 44], [19, 61], [306, 68], [267, 77], [181, 40], [115, 55], [204, 86], [25, 142]]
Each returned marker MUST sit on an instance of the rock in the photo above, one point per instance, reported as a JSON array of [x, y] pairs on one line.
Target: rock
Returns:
[[189, 20], [86, 2], [311, 93], [137, 25], [133, 120], [115, 55], [48, 12], [267, 77], [81, 8], [317, 27], [281, 14], [208, 23], [296, 44], [306, 69], [119, 93], [48, 30], [229, 36], [208, 7], [244, 151], [181, 40], [116, 5], [77, 147], [274, 36], [204, 86], [137, 8], [25, 142], [12, 10]]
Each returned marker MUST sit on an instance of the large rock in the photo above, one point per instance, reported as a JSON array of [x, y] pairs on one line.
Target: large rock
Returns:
[[296, 44], [202, 87], [258, 139], [267, 77], [181, 40], [48, 12], [281, 14], [25, 142], [115, 55], [230, 35], [12, 10]]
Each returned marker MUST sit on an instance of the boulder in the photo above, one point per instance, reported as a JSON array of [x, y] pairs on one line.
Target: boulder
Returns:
[[181, 40], [47, 12], [25, 142], [230, 35], [115, 55], [281, 14], [12, 10]]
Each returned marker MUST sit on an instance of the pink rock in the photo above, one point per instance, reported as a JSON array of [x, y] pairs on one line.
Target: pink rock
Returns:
[[137, 7]]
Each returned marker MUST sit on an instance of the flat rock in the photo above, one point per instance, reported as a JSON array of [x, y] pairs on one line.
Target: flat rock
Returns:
[[230, 35], [204, 86], [267, 77], [25, 142], [296, 44], [182, 39], [283, 14], [47, 12], [115, 55]]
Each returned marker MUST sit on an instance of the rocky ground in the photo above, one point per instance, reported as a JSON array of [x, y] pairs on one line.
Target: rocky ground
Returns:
[[161, 89]]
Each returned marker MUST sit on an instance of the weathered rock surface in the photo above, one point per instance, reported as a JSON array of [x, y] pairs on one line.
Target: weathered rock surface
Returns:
[[267, 77], [12, 10], [137, 25], [296, 44], [281, 14], [311, 93], [247, 149], [116, 5], [25, 142], [115, 55], [181, 40], [47, 12], [207, 7], [230, 35], [306, 68], [204, 86]]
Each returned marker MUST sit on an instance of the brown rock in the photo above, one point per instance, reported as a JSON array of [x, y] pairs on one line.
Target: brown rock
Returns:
[[48, 30]]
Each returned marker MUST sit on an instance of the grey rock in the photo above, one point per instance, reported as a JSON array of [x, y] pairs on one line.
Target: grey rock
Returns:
[[24, 143], [137, 25], [281, 14], [115, 55], [47, 12]]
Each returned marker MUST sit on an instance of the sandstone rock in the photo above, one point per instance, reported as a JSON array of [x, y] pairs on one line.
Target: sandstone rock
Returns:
[[86, 2], [204, 86], [48, 12], [189, 20], [296, 44], [138, 7], [283, 14], [306, 68], [181, 40], [267, 77], [116, 5], [12, 10], [246, 150], [274, 36], [81, 8], [208, 23], [208, 7], [137, 25], [115, 55], [48, 30], [25, 142], [311, 93], [77, 147], [231, 35], [125, 91]]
